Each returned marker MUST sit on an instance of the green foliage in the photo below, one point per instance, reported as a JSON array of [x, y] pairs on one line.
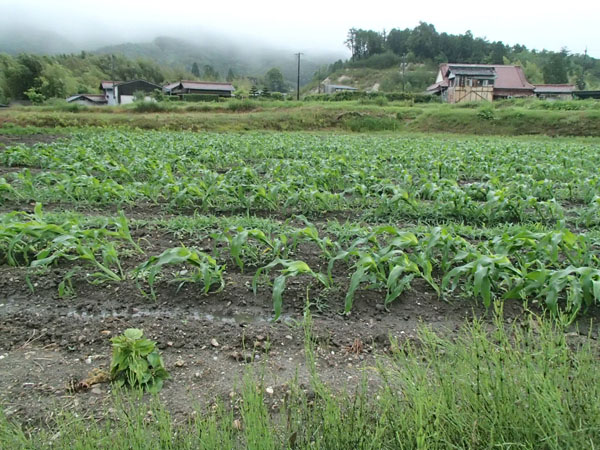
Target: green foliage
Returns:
[[136, 362], [290, 269], [209, 73], [274, 81], [62, 75], [200, 98], [556, 67], [195, 69], [203, 269], [139, 96], [29, 240], [34, 96]]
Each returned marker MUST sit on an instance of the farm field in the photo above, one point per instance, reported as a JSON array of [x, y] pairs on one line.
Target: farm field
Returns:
[[221, 247]]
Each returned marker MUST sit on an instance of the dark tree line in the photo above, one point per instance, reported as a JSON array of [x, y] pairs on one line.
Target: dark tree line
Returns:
[[28, 75]]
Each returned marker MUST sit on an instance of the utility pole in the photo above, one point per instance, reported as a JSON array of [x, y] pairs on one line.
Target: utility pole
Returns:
[[298, 80], [403, 71]]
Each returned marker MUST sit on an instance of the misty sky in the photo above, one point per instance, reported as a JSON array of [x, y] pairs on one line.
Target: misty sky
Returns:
[[311, 24]]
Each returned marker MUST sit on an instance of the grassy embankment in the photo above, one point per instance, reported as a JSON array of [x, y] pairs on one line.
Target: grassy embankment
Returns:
[[576, 118]]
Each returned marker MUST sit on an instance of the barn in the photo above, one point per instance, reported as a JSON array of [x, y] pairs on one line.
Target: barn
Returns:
[[122, 92], [199, 87]]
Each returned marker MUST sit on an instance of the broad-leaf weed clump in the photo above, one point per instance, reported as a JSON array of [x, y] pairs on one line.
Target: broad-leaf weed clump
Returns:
[[136, 362]]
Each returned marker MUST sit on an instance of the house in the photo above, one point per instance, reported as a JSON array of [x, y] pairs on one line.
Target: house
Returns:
[[555, 91], [88, 99], [333, 88], [457, 83], [199, 87], [122, 92], [115, 93], [107, 87]]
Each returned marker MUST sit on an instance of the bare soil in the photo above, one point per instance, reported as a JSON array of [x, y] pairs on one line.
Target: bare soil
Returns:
[[7, 140]]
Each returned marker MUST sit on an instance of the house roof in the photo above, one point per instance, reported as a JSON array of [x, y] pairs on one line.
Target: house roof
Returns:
[[96, 98], [554, 88], [123, 83], [200, 85], [472, 71], [507, 77], [104, 84]]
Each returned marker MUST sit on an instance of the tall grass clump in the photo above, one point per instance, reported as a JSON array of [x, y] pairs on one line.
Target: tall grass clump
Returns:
[[150, 107], [242, 105]]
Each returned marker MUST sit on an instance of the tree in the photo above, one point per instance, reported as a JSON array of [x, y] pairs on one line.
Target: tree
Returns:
[[34, 96], [397, 41], [265, 92], [555, 69], [274, 80], [230, 75], [498, 53], [580, 80], [210, 73], [195, 70], [253, 91]]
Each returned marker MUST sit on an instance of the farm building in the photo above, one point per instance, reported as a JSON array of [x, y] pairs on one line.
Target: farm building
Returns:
[[333, 88], [554, 91], [457, 83], [199, 87], [122, 92], [586, 94], [88, 99]]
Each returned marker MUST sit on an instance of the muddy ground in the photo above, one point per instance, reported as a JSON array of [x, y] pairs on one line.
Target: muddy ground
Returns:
[[48, 344]]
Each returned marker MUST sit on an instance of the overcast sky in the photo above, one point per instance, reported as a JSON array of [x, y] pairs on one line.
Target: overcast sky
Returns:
[[313, 24]]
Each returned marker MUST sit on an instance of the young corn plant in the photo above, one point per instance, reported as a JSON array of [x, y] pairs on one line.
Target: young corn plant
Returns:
[[244, 250], [290, 269], [205, 269], [483, 275]]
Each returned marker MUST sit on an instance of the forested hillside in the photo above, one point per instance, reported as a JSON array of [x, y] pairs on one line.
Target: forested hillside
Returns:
[[419, 51], [58, 76]]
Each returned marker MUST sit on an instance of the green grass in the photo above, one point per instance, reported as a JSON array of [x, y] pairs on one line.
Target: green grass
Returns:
[[526, 385], [575, 118]]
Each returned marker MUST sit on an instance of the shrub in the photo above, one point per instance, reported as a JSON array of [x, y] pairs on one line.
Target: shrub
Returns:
[[242, 105], [200, 98], [149, 107]]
